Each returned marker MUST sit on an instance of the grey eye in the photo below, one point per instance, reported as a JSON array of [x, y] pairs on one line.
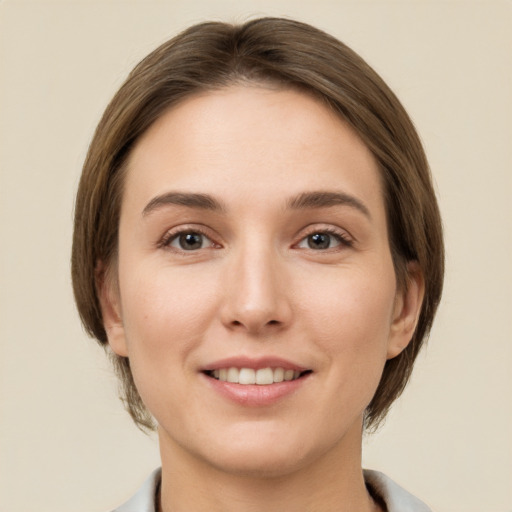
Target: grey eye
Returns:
[[319, 241], [190, 241]]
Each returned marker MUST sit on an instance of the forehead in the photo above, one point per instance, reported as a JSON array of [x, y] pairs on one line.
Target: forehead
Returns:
[[244, 140]]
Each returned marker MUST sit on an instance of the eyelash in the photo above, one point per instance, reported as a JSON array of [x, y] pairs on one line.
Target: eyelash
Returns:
[[340, 236], [168, 238]]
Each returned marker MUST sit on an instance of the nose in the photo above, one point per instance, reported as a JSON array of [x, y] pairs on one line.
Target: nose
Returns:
[[257, 293]]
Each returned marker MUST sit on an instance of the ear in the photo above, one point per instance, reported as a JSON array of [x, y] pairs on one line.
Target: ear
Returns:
[[407, 311], [110, 303]]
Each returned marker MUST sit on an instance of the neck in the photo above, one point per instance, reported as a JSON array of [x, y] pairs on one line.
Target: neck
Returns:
[[333, 482]]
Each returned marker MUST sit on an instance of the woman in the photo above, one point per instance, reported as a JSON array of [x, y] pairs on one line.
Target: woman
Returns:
[[258, 242]]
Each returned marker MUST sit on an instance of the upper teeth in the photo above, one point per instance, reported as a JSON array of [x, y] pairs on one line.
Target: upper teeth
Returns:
[[250, 376]]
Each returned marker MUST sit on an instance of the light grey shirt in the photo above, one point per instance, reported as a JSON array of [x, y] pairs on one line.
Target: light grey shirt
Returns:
[[395, 498]]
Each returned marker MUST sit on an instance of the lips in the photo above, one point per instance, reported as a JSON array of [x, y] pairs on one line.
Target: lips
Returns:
[[255, 382]]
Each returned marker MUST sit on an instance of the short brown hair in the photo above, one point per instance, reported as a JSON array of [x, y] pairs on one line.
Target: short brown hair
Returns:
[[288, 53]]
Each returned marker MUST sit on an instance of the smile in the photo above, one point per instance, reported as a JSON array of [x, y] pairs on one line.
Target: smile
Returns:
[[262, 376]]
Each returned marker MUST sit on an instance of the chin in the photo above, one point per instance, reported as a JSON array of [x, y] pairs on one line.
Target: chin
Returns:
[[260, 453], [259, 463]]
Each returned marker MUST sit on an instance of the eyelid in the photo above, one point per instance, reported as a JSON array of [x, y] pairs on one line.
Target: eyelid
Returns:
[[342, 235], [173, 233]]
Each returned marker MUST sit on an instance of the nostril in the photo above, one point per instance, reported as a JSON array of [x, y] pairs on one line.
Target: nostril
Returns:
[[254, 323]]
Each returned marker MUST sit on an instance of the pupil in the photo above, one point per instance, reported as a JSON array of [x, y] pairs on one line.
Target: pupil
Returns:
[[190, 241], [319, 241]]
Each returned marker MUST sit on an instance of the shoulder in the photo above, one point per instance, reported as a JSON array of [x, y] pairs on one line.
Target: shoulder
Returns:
[[144, 499], [395, 497]]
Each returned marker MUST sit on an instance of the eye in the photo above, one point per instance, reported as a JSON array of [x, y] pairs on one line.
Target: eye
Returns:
[[322, 240], [189, 241]]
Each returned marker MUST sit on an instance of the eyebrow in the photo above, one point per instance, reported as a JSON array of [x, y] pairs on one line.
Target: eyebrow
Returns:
[[190, 200], [316, 199], [326, 199]]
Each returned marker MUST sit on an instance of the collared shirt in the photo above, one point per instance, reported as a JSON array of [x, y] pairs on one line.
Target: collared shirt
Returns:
[[390, 493]]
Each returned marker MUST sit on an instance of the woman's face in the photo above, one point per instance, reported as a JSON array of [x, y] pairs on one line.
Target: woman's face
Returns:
[[253, 248]]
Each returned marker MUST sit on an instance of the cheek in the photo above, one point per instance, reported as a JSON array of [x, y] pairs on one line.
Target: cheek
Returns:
[[165, 314], [351, 316], [163, 308]]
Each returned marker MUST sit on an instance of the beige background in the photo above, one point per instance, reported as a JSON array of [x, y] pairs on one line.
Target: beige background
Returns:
[[65, 442]]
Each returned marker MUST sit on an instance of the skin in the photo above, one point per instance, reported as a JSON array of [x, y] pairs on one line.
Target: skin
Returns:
[[255, 287]]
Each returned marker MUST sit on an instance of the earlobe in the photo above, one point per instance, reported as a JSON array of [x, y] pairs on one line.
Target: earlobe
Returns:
[[407, 311], [110, 304]]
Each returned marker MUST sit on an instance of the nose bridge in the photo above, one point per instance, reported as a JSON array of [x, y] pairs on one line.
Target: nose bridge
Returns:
[[256, 297]]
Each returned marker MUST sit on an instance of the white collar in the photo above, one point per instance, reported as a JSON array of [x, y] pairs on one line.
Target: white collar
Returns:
[[395, 498]]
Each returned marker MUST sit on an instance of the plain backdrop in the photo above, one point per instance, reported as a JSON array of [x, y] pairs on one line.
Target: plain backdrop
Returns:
[[66, 444]]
